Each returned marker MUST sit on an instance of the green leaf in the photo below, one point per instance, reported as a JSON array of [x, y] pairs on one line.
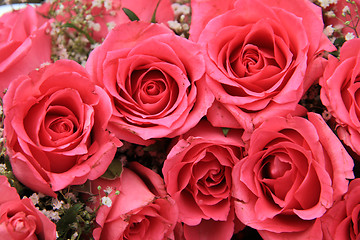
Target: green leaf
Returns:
[[153, 18], [68, 218], [71, 25], [225, 131], [131, 15], [114, 170]]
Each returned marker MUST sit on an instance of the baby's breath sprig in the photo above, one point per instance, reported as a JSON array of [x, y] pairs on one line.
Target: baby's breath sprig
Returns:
[[346, 18], [181, 23], [74, 27], [76, 220], [351, 21]]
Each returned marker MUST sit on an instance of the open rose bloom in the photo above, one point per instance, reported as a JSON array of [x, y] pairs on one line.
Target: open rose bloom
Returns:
[[24, 43], [340, 92], [197, 173], [342, 220], [140, 210], [295, 170], [261, 57], [55, 128], [19, 219], [155, 80]]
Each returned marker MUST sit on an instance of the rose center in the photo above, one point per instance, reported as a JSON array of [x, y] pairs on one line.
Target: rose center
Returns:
[[19, 225], [275, 167], [250, 57], [154, 87], [62, 125]]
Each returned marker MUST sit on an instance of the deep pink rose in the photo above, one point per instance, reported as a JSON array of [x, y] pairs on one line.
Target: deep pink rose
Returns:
[[155, 80], [341, 222], [261, 57], [24, 44], [141, 209], [197, 174], [114, 14], [19, 219], [340, 92], [55, 120], [295, 169]]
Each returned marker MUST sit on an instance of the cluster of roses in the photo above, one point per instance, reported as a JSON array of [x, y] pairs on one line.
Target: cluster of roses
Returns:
[[244, 152]]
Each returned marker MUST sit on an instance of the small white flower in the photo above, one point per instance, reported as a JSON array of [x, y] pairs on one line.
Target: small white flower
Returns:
[[329, 30], [96, 3], [324, 3], [180, 9], [185, 27], [175, 6], [71, 196], [60, 11], [108, 190], [176, 26], [349, 36], [89, 17], [51, 215], [110, 25], [2, 168], [56, 203], [95, 26], [74, 236], [330, 14], [34, 198], [106, 201], [345, 10], [62, 53], [108, 4]]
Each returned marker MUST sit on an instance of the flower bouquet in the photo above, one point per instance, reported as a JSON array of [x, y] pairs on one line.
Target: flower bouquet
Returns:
[[159, 119]]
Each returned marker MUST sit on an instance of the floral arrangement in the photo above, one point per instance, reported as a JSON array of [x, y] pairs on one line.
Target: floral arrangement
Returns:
[[159, 119]]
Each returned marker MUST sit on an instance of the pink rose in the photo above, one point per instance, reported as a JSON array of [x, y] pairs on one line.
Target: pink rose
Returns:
[[19, 219], [295, 169], [261, 57], [339, 92], [55, 121], [155, 80], [341, 222], [24, 44], [140, 209], [197, 174], [113, 13]]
